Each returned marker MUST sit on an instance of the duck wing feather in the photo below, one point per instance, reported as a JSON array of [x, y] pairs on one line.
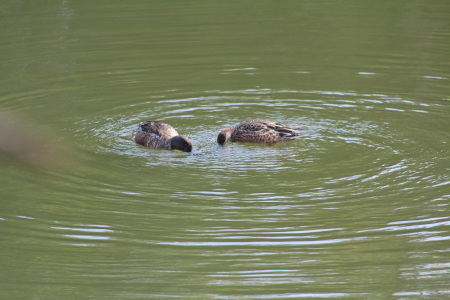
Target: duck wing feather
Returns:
[[163, 130]]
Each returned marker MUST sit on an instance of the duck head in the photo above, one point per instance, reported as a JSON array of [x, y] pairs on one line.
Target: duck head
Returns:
[[181, 142]]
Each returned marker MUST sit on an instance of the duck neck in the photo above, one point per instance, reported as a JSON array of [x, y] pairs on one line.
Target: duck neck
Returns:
[[224, 135]]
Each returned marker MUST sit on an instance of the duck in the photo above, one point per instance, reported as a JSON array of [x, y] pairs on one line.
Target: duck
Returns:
[[258, 131], [156, 134]]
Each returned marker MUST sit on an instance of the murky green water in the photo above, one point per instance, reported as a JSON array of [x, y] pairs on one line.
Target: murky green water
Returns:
[[357, 209]]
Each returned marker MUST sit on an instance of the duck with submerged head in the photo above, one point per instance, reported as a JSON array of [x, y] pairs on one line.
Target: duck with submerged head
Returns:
[[258, 131], [156, 134]]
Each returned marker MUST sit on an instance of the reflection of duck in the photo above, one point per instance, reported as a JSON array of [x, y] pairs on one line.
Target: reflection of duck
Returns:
[[155, 134], [258, 131]]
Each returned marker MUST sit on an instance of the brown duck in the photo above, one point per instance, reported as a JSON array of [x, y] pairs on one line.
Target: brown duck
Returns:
[[258, 131], [155, 134]]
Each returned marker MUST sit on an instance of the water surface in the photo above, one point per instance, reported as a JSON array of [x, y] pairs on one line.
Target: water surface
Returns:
[[356, 209]]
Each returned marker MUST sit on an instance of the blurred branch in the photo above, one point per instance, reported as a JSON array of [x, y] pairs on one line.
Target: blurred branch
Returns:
[[24, 141]]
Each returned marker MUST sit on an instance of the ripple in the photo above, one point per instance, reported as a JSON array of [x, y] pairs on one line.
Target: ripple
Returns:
[[296, 295], [355, 147], [260, 243], [350, 147]]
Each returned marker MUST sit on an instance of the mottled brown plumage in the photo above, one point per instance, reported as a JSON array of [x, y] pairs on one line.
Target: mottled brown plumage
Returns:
[[258, 131], [155, 134]]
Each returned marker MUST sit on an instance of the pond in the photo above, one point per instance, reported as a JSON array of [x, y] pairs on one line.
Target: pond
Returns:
[[355, 209]]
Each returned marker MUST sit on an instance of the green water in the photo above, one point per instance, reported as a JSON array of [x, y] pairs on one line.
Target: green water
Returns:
[[357, 209]]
